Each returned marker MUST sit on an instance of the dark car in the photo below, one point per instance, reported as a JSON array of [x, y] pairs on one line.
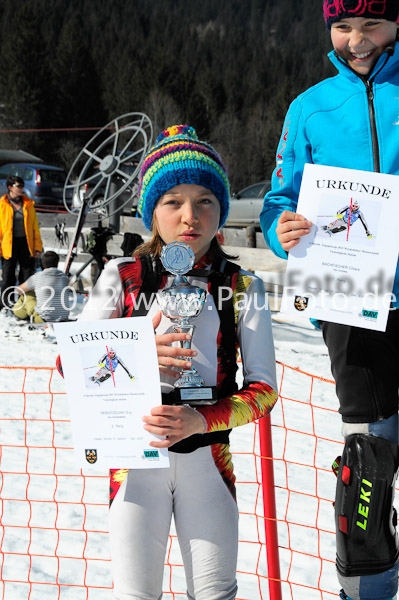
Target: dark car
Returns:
[[246, 205], [44, 184]]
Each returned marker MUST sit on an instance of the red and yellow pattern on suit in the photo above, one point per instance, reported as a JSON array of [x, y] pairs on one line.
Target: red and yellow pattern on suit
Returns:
[[252, 402]]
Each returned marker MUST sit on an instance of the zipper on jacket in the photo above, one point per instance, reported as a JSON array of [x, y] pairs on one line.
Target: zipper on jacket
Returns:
[[370, 100], [374, 137]]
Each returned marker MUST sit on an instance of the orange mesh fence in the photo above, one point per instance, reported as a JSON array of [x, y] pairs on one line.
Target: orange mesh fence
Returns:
[[306, 434], [54, 541]]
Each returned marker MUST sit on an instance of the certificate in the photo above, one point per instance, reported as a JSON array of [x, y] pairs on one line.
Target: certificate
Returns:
[[343, 271], [112, 380]]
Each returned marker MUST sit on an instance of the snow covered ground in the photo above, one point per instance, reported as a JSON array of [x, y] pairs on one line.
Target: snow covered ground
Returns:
[[296, 423]]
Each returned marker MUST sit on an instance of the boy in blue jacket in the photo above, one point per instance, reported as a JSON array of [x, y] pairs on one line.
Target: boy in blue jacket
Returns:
[[352, 120]]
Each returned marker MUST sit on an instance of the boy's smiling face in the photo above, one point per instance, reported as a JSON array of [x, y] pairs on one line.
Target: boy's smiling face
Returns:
[[361, 41]]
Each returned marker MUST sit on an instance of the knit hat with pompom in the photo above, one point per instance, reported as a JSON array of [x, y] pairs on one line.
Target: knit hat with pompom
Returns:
[[177, 157]]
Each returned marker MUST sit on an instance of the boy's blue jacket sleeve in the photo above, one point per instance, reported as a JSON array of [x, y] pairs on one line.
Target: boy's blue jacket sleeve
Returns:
[[292, 154]]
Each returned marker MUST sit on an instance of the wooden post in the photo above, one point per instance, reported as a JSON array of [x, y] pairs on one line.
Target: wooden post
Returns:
[[251, 237]]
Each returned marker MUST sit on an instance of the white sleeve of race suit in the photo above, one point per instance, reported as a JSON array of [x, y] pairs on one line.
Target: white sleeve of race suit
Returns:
[[255, 337]]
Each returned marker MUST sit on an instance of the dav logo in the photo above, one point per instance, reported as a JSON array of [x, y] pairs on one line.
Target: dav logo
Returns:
[[151, 454], [369, 314], [91, 456], [301, 302]]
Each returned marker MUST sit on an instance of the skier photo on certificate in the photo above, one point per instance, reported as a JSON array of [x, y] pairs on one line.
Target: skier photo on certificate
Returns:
[[345, 218], [108, 364]]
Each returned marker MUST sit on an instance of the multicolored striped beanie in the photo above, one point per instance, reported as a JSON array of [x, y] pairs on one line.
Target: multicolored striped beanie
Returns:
[[178, 156], [335, 10]]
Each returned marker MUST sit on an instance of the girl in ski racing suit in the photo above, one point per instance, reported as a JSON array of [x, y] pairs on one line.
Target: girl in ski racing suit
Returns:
[[184, 195], [359, 108]]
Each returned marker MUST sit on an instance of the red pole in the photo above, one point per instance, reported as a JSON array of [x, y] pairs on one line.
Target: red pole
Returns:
[[269, 508], [110, 365], [349, 222]]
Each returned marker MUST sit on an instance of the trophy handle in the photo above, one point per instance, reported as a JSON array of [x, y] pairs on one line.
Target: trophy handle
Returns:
[[189, 376]]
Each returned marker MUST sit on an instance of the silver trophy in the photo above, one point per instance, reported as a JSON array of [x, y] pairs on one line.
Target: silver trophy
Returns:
[[181, 302]]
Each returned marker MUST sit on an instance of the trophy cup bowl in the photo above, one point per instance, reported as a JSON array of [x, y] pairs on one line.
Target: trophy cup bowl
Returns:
[[181, 302]]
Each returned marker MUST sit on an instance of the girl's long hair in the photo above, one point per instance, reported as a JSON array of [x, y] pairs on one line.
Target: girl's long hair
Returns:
[[155, 244]]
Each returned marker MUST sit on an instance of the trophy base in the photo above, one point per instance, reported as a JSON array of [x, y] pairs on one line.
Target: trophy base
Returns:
[[195, 396]]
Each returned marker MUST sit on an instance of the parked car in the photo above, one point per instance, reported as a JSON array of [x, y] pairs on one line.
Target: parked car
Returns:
[[246, 205], [44, 184]]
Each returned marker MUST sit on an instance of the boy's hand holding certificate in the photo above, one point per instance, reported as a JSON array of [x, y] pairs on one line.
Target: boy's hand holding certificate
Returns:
[[343, 271]]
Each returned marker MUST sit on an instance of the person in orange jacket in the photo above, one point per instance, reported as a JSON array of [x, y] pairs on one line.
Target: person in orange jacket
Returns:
[[20, 241]]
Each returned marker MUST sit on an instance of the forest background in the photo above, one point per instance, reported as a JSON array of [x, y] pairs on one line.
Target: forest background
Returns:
[[229, 68]]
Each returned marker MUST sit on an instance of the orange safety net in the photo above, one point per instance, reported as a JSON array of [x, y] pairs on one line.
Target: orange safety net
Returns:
[[53, 516], [306, 439]]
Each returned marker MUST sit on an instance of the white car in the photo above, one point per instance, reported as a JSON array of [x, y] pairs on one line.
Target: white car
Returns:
[[246, 205]]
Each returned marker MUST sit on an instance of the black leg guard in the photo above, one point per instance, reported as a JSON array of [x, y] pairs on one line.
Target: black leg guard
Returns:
[[364, 516], [104, 377], [338, 229]]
